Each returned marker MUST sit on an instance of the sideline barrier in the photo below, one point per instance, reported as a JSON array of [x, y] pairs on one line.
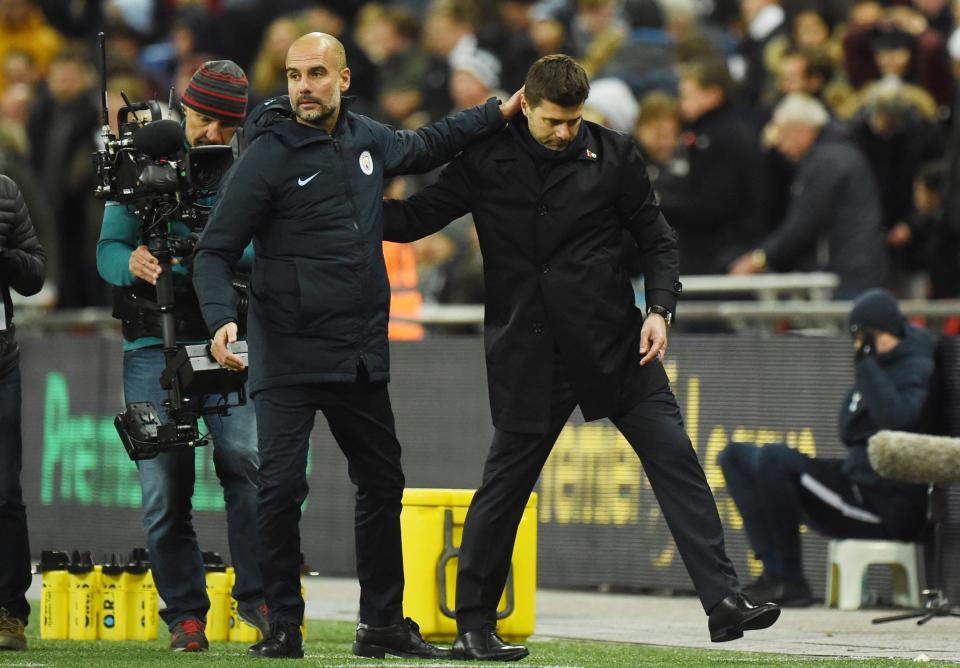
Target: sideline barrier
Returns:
[[599, 524]]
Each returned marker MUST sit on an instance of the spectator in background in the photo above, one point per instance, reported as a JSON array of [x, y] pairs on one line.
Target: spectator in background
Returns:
[[805, 70], [22, 264], [897, 130], [548, 28], [834, 216], [938, 14], [474, 79], [18, 67], [597, 33], [657, 132], [611, 103], [61, 128], [23, 29], [713, 207], [508, 37], [809, 30], [765, 21], [389, 36], [935, 249], [336, 17], [899, 44], [777, 487], [449, 31], [267, 78]]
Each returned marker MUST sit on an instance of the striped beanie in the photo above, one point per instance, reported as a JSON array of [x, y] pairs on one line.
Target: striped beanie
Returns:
[[218, 89]]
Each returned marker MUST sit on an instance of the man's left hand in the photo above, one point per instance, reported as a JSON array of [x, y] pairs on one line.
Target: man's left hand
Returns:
[[510, 108], [653, 338]]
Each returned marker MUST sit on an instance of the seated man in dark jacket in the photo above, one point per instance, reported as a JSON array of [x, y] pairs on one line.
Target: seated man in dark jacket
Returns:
[[776, 487]]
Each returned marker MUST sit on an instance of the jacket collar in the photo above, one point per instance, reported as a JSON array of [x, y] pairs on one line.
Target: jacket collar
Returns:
[[509, 150], [283, 123]]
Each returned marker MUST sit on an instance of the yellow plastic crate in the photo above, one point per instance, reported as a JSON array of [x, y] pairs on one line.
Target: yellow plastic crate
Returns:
[[432, 526]]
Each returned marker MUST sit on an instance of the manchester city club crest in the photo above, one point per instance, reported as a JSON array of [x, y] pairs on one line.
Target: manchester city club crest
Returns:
[[366, 163]]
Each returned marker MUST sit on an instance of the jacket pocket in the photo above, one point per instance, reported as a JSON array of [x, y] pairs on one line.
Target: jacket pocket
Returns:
[[329, 298], [276, 294]]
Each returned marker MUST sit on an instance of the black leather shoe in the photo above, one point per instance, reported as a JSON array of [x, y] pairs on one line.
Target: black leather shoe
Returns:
[[736, 613], [284, 642], [486, 645], [402, 639]]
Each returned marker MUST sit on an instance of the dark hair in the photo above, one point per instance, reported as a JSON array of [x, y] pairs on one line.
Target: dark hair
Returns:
[[817, 62], [710, 72], [556, 78]]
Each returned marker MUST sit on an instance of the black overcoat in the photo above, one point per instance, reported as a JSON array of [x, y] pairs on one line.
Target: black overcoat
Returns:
[[552, 268]]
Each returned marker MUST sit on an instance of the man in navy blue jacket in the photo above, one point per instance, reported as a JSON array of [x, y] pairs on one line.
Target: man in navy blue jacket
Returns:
[[308, 191], [776, 487]]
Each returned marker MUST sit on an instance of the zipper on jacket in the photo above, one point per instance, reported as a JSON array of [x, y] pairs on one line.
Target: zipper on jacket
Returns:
[[361, 333], [353, 208]]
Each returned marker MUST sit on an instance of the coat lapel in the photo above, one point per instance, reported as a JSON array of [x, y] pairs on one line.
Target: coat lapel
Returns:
[[513, 164], [588, 154]]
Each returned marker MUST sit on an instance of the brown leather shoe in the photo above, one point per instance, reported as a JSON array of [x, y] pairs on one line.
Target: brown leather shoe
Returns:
[[11, 631]]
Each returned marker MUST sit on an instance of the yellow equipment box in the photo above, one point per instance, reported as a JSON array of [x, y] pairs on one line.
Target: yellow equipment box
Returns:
[[432, 526]]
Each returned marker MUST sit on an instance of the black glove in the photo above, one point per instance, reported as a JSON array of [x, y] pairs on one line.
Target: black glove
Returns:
[[867, 347]]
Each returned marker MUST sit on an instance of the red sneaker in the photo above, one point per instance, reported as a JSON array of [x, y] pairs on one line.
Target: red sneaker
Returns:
[[188, 636]]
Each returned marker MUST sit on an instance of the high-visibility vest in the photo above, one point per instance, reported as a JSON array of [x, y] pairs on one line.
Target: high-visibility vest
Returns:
[[405, 297]]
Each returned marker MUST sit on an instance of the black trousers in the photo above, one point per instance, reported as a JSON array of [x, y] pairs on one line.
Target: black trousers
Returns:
[[361, 420], [654, 428], [777, 487], [14, 548]]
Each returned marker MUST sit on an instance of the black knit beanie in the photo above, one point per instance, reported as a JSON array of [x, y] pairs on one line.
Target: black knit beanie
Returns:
[[877, 309]]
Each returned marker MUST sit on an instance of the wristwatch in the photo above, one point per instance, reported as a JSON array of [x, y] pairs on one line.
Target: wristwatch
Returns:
[[661, 311]]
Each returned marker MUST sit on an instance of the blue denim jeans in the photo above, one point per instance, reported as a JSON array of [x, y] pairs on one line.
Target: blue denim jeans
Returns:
[[167, 484], [14, 548]]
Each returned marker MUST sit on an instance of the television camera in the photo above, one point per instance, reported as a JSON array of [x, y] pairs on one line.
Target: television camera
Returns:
[[150, 168]]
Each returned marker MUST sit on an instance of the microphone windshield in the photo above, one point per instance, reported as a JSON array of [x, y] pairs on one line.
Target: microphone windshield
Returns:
[[160, 139], [917, 458]]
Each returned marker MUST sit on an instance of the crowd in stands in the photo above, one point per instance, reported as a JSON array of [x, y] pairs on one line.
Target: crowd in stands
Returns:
[[781, 135]]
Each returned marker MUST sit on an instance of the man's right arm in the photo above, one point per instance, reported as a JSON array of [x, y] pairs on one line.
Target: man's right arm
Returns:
[[419, 151], [242, 201], [431, 209]]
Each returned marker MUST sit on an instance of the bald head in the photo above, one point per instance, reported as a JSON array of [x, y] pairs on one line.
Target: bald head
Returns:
[[317, 76], [313, 44]]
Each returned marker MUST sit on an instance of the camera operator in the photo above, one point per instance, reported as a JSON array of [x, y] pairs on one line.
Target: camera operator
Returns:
[[22, 267], [776, 487], [214, 105]]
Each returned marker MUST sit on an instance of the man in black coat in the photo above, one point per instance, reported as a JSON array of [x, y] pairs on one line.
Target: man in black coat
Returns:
[[551, 196], [22, 268], [308, 192]]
